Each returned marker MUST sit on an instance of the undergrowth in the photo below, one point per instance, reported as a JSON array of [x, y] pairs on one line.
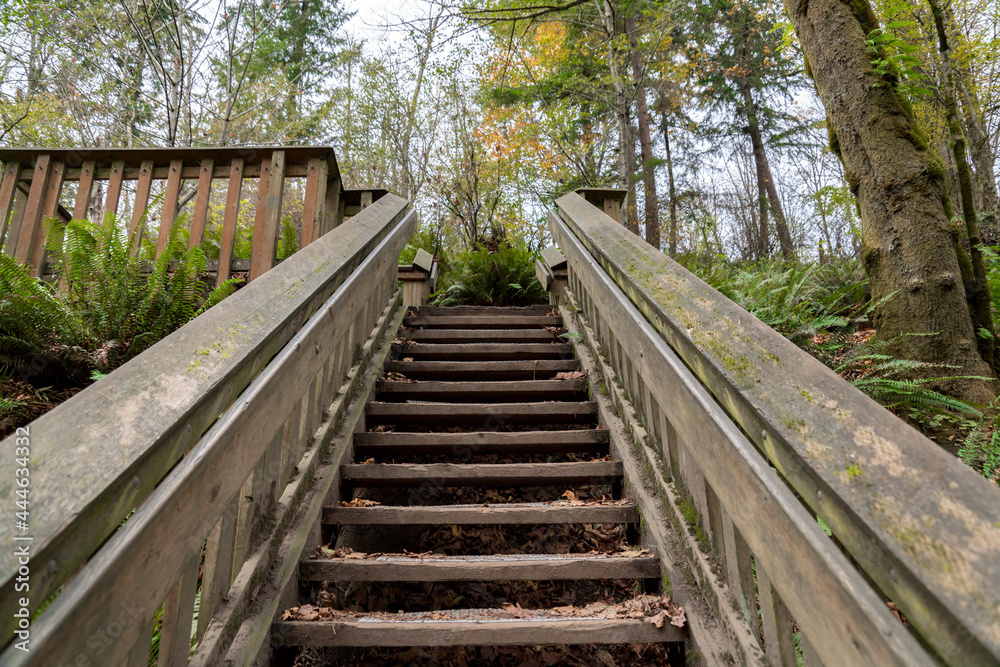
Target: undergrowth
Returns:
[[106, 307], [825, 309], [501, 276]]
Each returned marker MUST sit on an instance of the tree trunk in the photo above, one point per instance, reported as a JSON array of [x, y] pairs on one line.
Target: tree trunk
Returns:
[[983, 158], [672, 187], [769, 194], [651, 200], [626, 145], [910, 249], [979, 296]]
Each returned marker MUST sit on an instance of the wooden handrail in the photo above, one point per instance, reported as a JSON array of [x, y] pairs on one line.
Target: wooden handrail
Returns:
[[718, 387], [177, 432], [33, 180]]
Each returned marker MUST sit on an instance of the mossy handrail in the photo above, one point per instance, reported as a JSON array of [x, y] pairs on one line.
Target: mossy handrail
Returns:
[[194, 439], [920, 525]]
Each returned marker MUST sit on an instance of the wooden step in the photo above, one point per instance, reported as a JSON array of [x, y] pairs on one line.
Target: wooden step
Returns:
[[428, 630], [481, 442], [443, 336], [483, 370], [497, 475], [491, 311], [484, 416], [482, 321], [516, 567], [482, 351], [509, 513], [509, 391]]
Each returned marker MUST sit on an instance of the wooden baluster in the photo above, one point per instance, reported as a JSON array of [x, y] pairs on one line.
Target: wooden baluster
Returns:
[[170, 197], [314, 206], [8, 192], [32, 219], [266, 223], [779, 643], [114, 194], [290, 445], [178, 616], [714, 523], [671, 456], [272, 469], [333, 210], [50, 207], [201, 203], [16, 218], [217, 573], [229, 220], [85, 188], [809, 655], [249, 493], [739, 573], [142, 189]]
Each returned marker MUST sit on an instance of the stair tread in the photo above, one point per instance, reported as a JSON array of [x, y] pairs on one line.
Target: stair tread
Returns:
[[469, 336], [515, 567], [472, 321], [495, 514], [484, 351], [511, 390], [481, 442], [499, 370], [481, 474], [495, 627]]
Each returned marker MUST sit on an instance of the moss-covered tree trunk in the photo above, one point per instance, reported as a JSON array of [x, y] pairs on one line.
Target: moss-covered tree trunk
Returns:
[[911, 250]]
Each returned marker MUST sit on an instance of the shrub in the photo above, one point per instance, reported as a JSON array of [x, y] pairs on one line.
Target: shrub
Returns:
[[107, 306], [501, 277]]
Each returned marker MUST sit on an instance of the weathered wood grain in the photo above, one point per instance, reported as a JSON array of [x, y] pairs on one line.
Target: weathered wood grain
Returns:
[[266, 224], [833, 444], [102, 451], [85, 188], [137, 563], [776, 526], [491, 322], [142, 190], [481, 392], [481, 442], [229, 219], [114, 193], [32, 220], [201, 202], [370, 475], [486, 351], [473, 633], [169, 203], [490, 416], [486, 515], [539, 369], [480, 568]]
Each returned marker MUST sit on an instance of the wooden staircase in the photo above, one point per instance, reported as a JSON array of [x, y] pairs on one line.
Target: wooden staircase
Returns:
[[482, 477]]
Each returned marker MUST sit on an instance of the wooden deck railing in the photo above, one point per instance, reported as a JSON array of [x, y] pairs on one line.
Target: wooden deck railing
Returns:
[[764, 438], [34, 187], [178, 475]]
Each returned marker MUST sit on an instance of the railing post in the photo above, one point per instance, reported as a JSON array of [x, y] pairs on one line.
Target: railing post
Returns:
[[265, 227], [551, 271], [418, 279], [32, 220], [608, 200], [8, 190]]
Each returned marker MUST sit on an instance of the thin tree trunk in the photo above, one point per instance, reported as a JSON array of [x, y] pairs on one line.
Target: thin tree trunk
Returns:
[[671, 185], [651, 200], [626, 145], [979, 297], [766, 180], [910, 249]]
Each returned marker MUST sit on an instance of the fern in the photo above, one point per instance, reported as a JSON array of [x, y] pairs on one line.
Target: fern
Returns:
[[502, 278]]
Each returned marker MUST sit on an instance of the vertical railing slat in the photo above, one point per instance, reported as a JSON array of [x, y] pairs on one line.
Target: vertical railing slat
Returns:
[[85, 188], [779, 644], [170, 197], [114, 187], [217, 573], [266, 223], [332, 216], [178, 616], [229, 220], [33, 210], [313, 207], [8, 192], [142, 190], [50, 207], [201, 203]]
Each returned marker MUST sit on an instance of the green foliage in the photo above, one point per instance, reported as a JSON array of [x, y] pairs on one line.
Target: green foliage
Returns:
[[797, 300], [107, 306], [505, 277], [981, 448], [288, 241], [896, 382], [894, 61]]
